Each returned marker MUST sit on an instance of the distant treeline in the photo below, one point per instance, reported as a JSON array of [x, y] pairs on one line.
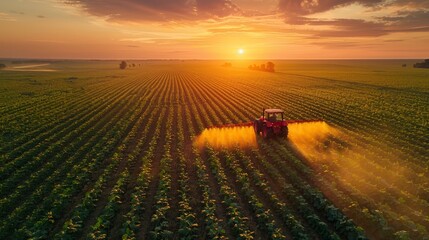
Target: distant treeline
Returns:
[[124, 65], [424, 64], [268, 67]]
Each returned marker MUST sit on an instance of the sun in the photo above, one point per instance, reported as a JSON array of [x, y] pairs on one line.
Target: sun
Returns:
[[240, 51]]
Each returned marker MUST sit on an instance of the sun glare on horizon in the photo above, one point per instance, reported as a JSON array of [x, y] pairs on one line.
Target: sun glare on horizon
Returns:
[[240, 51]]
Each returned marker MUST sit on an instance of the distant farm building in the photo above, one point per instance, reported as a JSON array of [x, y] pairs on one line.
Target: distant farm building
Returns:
[[424, 64]]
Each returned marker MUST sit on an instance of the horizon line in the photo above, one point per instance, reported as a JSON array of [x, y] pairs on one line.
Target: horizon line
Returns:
[[197, 59]]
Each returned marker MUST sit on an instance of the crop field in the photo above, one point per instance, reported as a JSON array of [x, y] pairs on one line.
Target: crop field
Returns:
[[89, 151]]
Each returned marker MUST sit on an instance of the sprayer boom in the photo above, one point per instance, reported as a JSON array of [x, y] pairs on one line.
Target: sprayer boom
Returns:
[[303, 121], [248, 124], [271, 123], [232, 125]]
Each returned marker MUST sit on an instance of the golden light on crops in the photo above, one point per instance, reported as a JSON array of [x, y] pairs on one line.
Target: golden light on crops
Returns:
[[310, 139], [242, 137]]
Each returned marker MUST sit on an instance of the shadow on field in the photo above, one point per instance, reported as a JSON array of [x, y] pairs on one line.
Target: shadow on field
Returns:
[[381, 183]]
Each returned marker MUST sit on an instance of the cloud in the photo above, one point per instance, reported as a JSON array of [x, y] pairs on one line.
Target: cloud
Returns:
[[230, 29], [219, 8], [414, 19], [408, 19], [157, 10], [304, 7], [6, 17], [348, 28], [410, 3], [17, 12], [343, 44]]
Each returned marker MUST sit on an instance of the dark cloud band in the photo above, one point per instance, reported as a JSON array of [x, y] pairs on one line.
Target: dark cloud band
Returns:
[[297, 12], [157, 10]]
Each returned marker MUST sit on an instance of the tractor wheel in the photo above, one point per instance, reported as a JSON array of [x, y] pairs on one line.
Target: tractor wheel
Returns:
[[257, 127], [285, 131], [264, 132], [270, 133], [267, 132]]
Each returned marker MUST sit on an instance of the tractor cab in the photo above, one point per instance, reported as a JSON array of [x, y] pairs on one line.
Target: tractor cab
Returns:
[[273, 115], [271, 123]]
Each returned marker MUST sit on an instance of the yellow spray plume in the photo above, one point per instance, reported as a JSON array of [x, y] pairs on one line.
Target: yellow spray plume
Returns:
[[310, 139], [230, 137]]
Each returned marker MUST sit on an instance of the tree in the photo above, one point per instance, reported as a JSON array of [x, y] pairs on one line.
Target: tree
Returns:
[[123, 65], [2, 66], [270, 67]]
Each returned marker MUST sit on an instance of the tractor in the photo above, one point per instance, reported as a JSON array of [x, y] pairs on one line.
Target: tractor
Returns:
[[271, 123]]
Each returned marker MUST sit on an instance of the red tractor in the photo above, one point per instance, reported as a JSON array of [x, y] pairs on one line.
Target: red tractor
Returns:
[[271, 123]]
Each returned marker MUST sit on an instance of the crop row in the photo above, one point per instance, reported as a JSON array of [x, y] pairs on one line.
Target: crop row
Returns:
[[132, 221], [75, 178], [74, 225]]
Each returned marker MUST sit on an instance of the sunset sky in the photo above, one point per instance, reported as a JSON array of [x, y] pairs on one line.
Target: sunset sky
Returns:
[[214, 29]]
